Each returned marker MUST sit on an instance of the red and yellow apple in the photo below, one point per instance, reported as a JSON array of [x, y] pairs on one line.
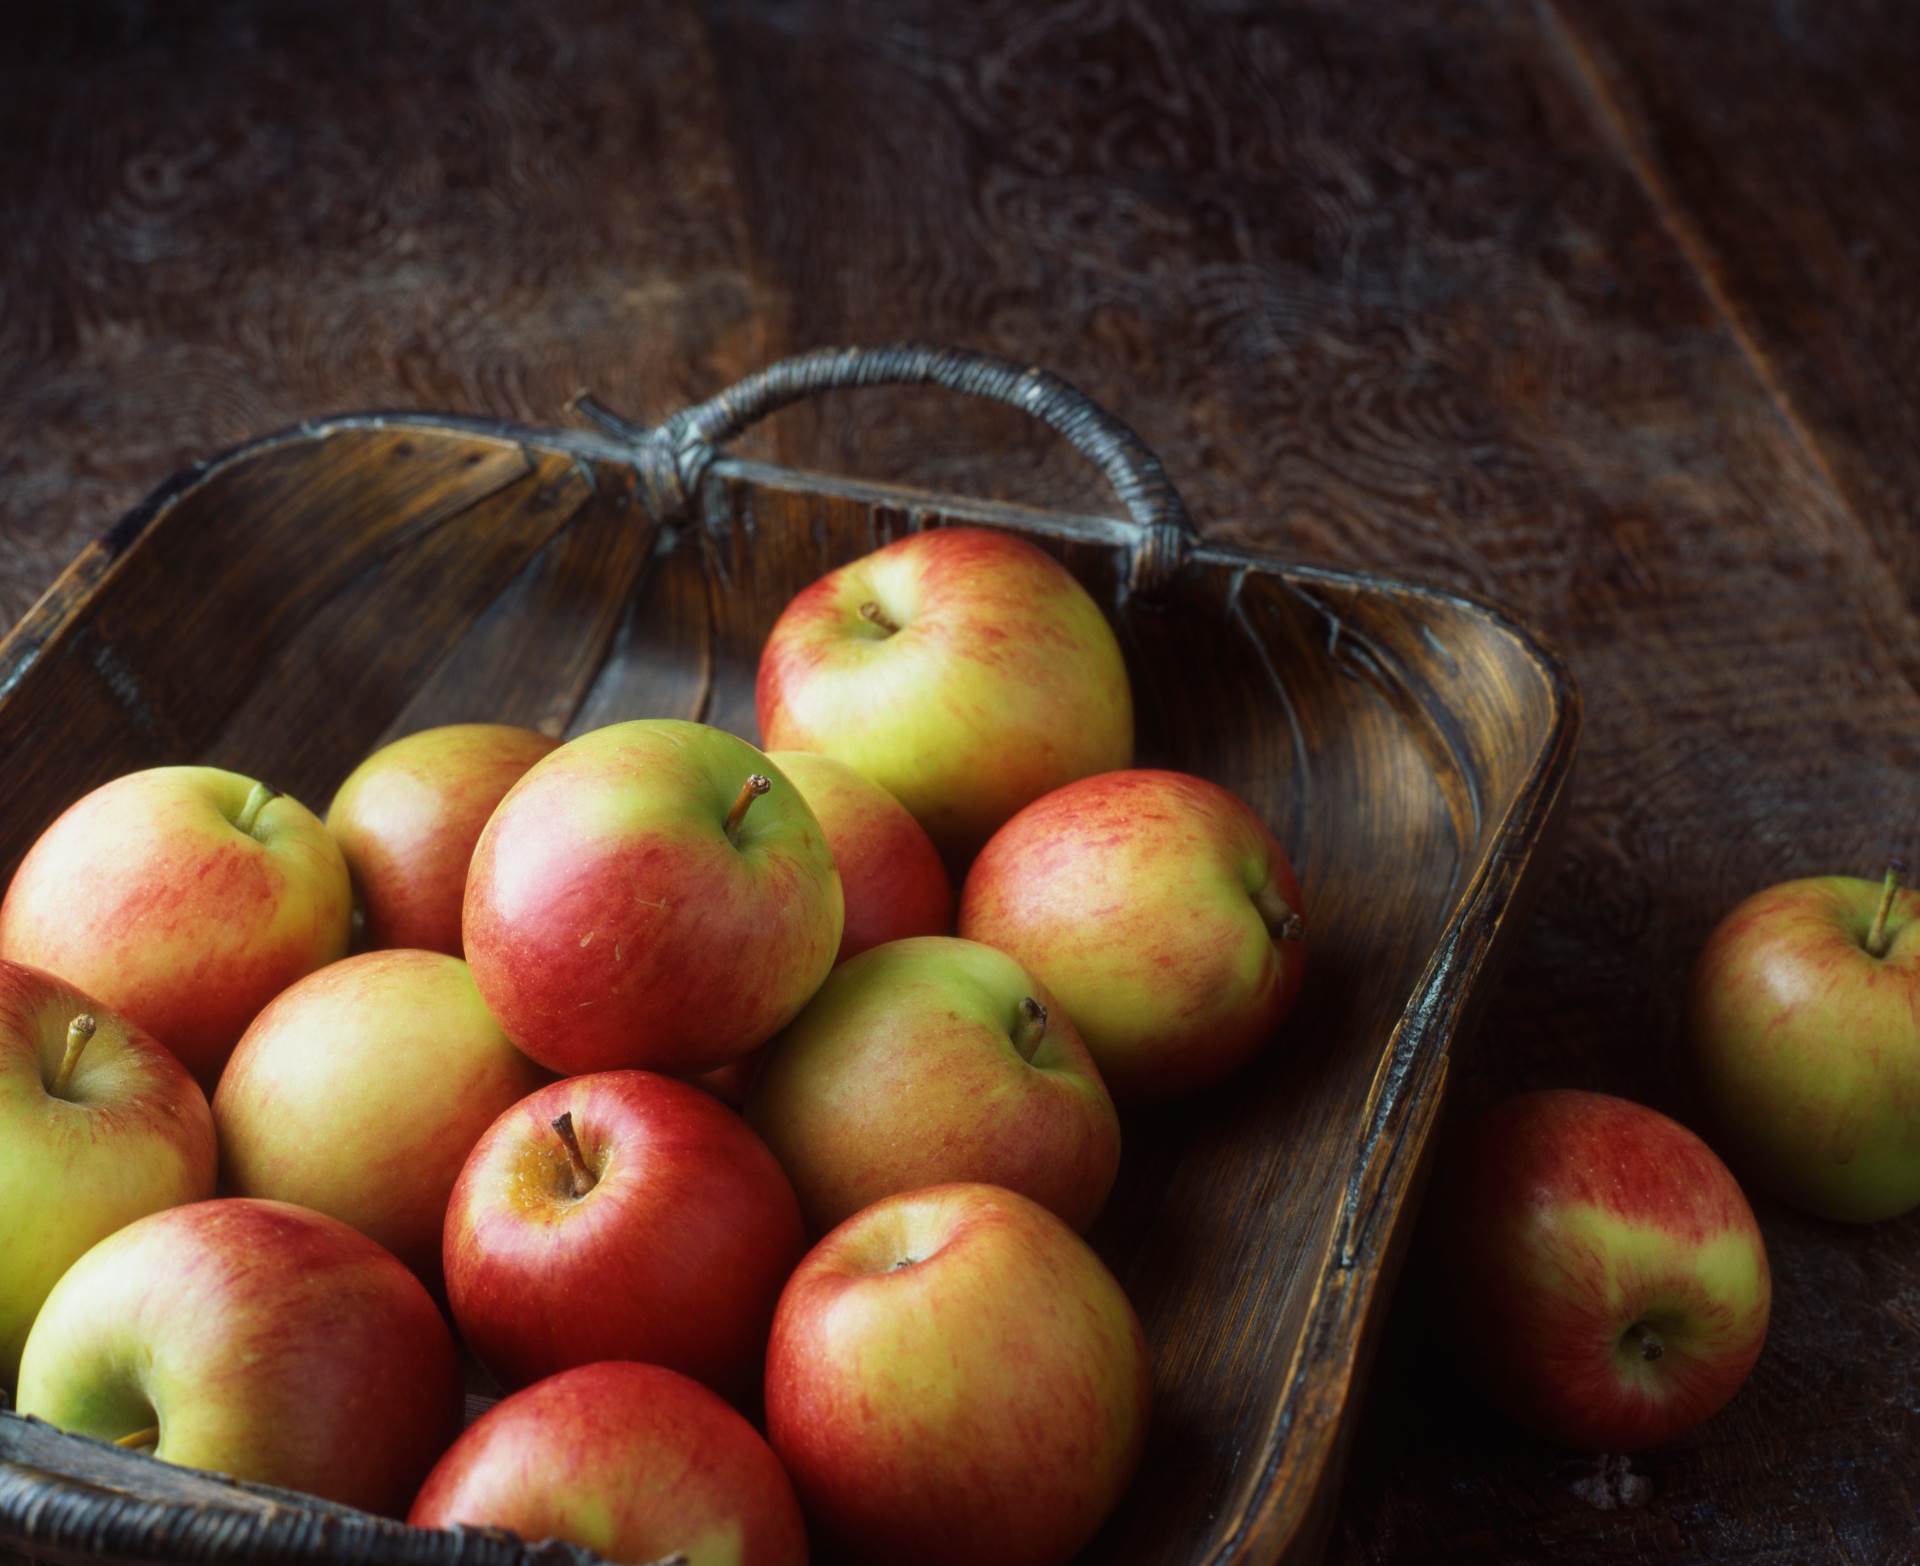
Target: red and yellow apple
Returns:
[[1608, 1283], [652, 894], [408, 816], [634, 1462], [1162, 914], [183, 898], [963, 670], [360, 1091], [99, 1126], [954, 1377], [928, 1061]]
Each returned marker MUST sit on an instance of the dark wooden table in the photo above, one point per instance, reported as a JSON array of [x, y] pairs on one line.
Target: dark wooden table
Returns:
[[1608, 310]]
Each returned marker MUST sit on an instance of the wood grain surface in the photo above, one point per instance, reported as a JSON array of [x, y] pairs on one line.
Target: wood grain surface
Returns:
[[1604, 309]]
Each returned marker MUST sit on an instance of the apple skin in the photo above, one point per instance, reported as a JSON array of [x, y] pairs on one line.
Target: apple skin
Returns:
[[611, 921], [895, 883], [1131, 896], [907, 1070], [1002, 681], [408, 816], [145, 896], [1571, 1224], [128, 1134], [1806, 1046], [674, 1257], [360, 1091], [266, 1342], [634, 1462], [955, 1377]]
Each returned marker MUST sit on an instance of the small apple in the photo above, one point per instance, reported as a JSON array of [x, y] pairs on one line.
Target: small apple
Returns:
[[254, 1339], [407, 819], [1803, 1021], [360, 1091], [183, 898], [963, 670], [652, 894], [1160, 911], [632, 1461], [929, 1061], [1608, 1282], [954, 1377], [893, 878], [621, 1215], [99, 1125]]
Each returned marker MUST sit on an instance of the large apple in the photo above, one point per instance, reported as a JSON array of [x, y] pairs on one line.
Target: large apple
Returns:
[[954, 1377], [1803, 1021], [963, 670], [360, 1091], [407, 819], [652, 894], [1609, 1285], [892, 877], [183, 898], [1160, 911], [635, 1462], [929, 1061], [621, 1215], [255, 1339], [99, 1126]]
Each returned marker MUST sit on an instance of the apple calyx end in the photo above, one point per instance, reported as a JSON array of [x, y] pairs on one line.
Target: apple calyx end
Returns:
[[1282, 921], [258, 798], [757, 784], [139, 1440], [1643, 1339], [79, 1030], [873, 614], [579, 1170], [1029, 1027], [1878, 940]]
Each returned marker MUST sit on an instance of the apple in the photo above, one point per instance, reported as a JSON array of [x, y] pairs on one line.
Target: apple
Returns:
[[962, 670], [1608, 1283], [1803, 1025], [407, 819], [634, 1462], [1160, 911], [621, 1215], [652, 894], [255, 1339], [183, 898], [99, 1125], [954, 1377], [892, 877], [360, 1091], [929, 1061], [729, 1083]]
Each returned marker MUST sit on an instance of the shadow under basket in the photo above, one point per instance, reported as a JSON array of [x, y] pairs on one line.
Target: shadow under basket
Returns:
[[285, 608]]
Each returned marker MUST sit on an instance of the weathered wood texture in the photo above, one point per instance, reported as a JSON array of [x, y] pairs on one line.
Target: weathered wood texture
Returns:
[[1605, 310]]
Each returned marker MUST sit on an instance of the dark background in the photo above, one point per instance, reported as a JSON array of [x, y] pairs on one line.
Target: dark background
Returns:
[[1603, 309]]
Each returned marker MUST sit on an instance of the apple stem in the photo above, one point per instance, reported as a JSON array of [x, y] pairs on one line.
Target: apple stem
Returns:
[[873, 614], [583, 1180], [78, 1032], [140, 1438], [1029, 1027], [756, 785], [1646, 1340], [257, 799], [1283, 924], [1877, 938]]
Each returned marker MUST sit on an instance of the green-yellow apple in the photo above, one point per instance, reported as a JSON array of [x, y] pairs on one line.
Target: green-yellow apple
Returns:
[[1803, 1022], [635, 1462], [255, 1339], [954, 1377], [99, 1126], [964, 671], [407, 819], [928, 1061], [620, 1215], [360, 1091], [1608, 1283], [652, 894], [1160, 911], [893, 878], [183, 898]]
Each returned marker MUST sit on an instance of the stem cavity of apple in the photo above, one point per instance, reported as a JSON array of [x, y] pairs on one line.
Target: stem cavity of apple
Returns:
[[583, 1176], [1029, 1027], [139, 1440], [258, 798], [78, 1032], [1877, 938], [1650, 1344], [873, 614], [1283, 924], [756, 785]]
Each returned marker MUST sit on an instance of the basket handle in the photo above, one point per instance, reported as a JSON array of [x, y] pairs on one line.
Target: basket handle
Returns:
[[674, 455]]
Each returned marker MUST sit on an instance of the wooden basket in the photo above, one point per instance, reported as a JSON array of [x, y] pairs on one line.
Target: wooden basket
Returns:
[[284, 608]]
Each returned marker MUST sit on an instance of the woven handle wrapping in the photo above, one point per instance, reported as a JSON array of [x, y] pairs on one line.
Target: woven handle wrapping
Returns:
[[676, 454]]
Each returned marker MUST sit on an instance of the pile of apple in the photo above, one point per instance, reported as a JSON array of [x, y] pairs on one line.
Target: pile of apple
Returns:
[[505, 1110]]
